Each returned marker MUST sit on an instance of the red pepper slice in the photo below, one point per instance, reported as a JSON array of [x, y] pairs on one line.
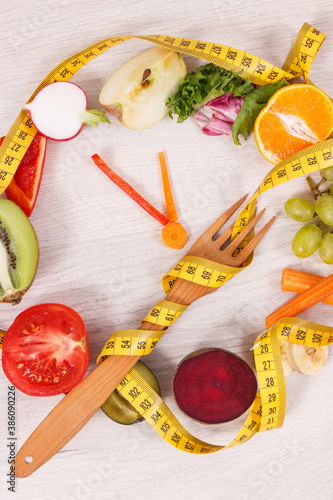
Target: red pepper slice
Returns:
[[129, 190], [24, 187]]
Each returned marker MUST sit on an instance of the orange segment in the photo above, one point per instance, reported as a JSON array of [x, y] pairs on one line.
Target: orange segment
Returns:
[[296, 117]]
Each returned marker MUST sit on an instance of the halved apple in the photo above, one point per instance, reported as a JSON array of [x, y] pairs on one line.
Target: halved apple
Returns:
[[137, 92]]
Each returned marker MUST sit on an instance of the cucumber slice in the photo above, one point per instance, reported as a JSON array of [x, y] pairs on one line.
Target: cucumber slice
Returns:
[[119, 409]]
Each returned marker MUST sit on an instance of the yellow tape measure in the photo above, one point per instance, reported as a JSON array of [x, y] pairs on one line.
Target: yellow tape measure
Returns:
[[256, 69], [200, 271], [195, 269], [300, 58], [266, 413], [2, 336], [140, 342], [191, 268], [307, 160]]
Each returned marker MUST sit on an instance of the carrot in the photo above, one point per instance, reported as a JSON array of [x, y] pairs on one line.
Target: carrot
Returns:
[[303, 301], [171, 209], [129, 190], [173, 234], [299, 281]]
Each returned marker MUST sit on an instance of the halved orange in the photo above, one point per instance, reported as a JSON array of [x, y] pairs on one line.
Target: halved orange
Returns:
[[296, 117]]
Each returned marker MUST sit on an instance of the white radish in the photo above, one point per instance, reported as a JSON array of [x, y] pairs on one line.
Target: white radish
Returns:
[[59, 111]]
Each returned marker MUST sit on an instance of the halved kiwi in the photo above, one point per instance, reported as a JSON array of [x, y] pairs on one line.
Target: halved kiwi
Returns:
[[119, 409], [214, 386], [19, 252]]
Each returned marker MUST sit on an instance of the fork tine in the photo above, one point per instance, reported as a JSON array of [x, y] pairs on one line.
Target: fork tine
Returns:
[[234, 244], [223, 218], [246, 252], [224, 236]]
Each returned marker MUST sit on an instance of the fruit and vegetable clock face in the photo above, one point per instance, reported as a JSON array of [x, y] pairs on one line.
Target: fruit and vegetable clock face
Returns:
[[45, 350]]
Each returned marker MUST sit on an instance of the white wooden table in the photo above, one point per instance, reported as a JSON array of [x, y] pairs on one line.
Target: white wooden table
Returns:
[[103, 256]]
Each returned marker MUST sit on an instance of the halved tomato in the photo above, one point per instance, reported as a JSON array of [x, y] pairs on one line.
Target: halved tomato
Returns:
[[23, 188], [45, 351]]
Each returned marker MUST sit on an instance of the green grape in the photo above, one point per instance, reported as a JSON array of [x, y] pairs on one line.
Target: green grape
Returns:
[[327, 173], [306, 241], [299, 209], [324, 208], [326, 248], [331, 189]]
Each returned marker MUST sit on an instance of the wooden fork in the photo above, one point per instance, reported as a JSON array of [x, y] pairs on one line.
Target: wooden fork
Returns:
[[80, 404]]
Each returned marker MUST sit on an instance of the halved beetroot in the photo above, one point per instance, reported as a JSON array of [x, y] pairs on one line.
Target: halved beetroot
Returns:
[[214, 386], [24, 186]]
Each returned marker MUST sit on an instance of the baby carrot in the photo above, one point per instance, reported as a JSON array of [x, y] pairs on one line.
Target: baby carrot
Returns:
[[298, 281], [129, 190], [303, 301]]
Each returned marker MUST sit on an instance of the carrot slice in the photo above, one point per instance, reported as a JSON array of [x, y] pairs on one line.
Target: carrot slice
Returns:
[[303, 301], [298, 281], [171, 209], [173, 234], [129, 190]]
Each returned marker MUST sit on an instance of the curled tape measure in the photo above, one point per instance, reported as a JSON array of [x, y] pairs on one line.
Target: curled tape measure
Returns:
[[191, 268], [260, 72], [267, 411], [307, 160]]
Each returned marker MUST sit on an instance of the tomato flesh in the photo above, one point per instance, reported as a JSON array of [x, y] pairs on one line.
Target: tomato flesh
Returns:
[[45, 351]]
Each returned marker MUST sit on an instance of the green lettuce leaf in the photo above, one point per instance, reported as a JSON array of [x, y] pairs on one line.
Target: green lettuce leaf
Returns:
[[252, 105], [200, 86]]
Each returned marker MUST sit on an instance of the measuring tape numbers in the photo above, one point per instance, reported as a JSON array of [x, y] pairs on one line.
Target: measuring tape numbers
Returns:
[[308, 42], [200, 271]]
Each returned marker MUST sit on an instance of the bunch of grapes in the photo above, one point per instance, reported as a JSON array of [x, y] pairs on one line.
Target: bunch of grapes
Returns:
[[310, 238]]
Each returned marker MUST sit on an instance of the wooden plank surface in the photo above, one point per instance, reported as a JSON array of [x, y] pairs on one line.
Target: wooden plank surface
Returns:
[[103, 256]]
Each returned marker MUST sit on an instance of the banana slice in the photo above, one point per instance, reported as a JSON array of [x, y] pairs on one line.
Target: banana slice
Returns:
[[287, 367], [306, 359]]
